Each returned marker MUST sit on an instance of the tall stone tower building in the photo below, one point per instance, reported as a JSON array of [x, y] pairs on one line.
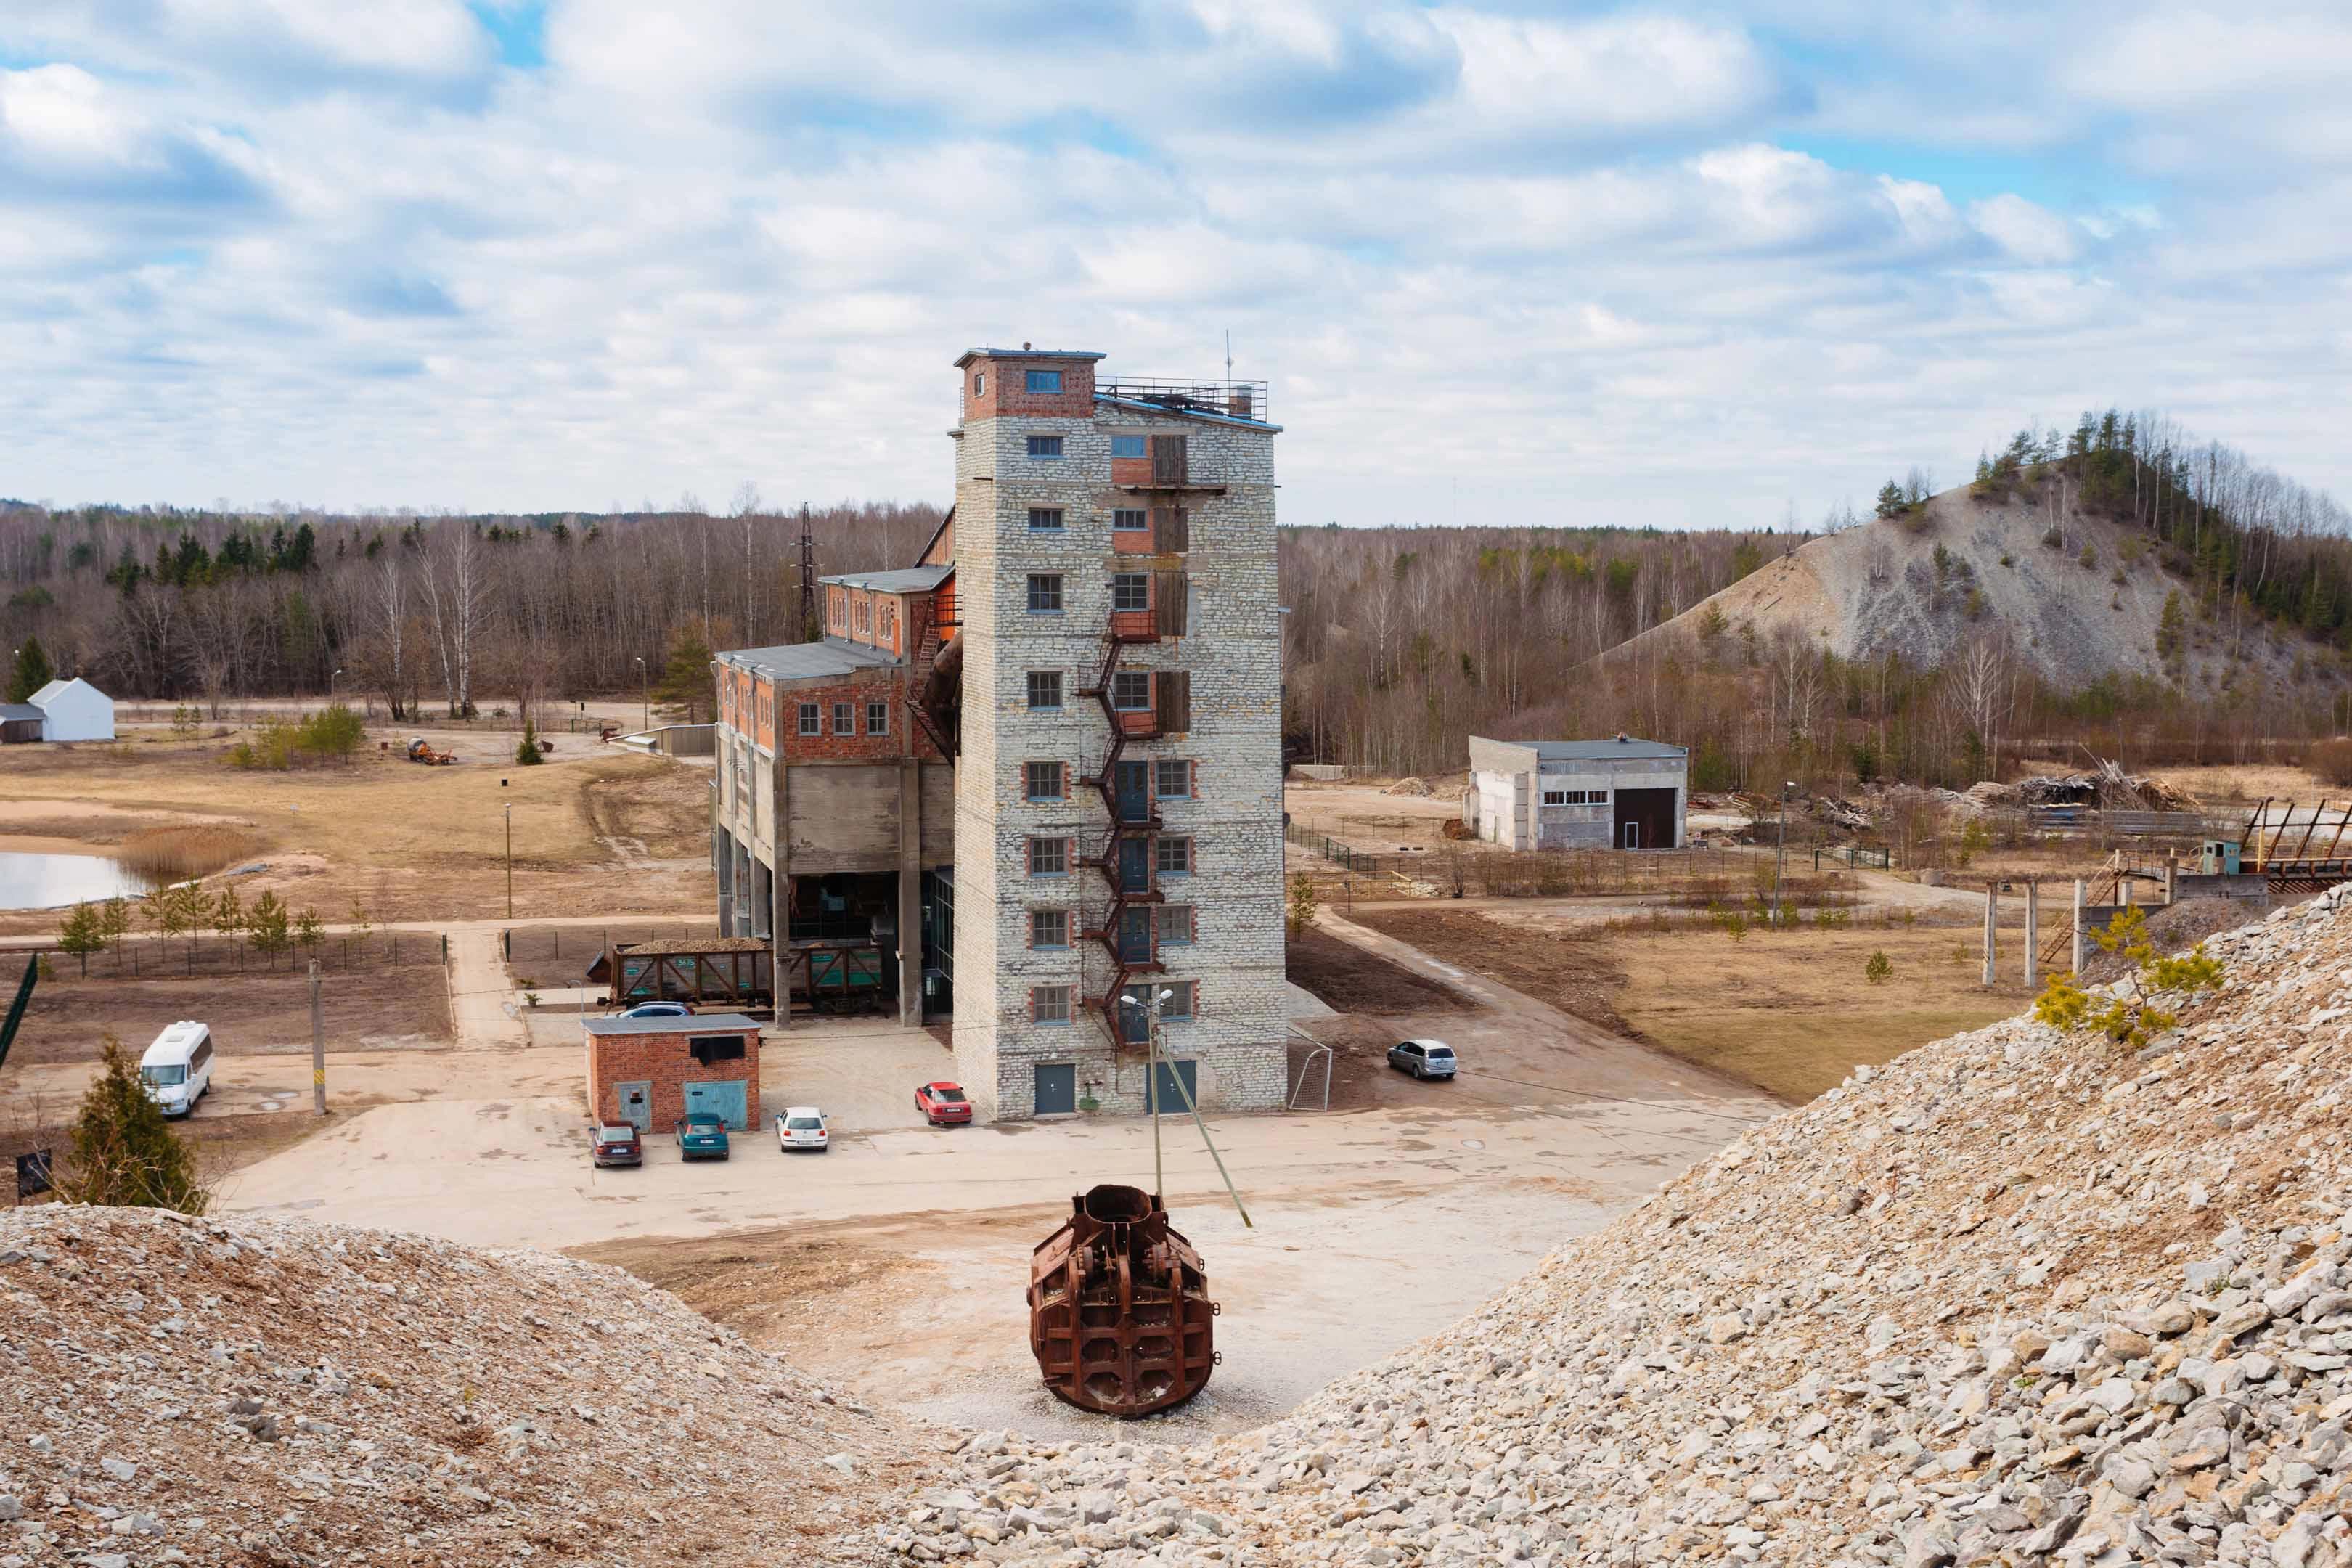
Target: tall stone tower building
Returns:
[[1119, 794]]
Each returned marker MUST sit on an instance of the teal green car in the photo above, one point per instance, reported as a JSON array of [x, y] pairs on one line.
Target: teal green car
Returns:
[[701, 1135]]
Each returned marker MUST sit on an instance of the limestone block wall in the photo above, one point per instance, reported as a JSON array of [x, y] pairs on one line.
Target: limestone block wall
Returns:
[[1231, 651]]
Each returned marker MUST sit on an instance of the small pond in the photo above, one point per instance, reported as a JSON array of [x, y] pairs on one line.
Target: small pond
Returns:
[[54, 881]]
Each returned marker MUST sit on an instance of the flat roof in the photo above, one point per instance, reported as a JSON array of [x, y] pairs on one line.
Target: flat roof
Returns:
[[1141, 405], [699, 1023], [970, 355], [903, 580], [799, 660], [1593, 751]]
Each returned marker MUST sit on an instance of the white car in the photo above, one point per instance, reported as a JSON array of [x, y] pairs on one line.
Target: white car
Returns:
[[802, 1127]]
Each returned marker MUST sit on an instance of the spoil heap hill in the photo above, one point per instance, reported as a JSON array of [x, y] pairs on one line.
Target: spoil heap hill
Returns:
[[2015, 1297], [1881, 589], [257, 1391]]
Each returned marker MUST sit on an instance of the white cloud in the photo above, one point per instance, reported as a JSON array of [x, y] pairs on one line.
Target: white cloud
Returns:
[[2033, 235], [1577, 260]]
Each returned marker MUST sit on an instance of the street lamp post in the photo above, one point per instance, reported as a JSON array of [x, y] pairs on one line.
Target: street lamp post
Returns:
[[647, 676], [331, 685], [510, 816], [1780, 854], [1150, 1011]]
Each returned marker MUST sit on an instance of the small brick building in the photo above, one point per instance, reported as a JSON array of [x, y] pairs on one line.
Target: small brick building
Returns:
[[651, 1071]]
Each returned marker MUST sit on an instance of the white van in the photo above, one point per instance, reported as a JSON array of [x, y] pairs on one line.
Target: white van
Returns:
[[178, 1067]]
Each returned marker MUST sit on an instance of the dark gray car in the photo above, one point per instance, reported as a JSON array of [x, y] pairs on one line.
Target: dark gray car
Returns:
[[1422, 1058]]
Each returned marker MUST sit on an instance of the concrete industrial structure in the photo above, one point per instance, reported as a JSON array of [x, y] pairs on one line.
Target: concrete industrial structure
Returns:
[[1620, 794], [1086, 661], [832, 810]]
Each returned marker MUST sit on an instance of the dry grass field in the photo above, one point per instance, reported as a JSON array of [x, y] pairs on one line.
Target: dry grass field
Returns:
[[592, 831], [1790, 1011]]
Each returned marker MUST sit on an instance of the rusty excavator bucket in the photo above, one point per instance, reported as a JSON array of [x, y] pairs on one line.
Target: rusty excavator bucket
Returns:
[[1118, 1307]]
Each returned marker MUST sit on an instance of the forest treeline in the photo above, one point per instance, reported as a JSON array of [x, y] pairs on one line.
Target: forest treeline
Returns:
[[417, 612], [1398, 643], [1402, 641]]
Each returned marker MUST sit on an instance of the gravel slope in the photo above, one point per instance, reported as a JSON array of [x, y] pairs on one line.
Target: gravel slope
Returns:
[[1874, 590], [260, 1392], [2015, 1297]]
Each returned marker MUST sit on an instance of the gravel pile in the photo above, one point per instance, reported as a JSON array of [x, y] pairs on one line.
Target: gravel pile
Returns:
[[2015, 1297], [258, 1392]]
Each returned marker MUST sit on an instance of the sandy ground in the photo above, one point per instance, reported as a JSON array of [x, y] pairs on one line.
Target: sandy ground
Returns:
[[895, 1264], [594, 829]]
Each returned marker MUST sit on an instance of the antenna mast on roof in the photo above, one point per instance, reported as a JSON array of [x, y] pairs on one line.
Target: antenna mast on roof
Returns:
[[1229, 354], [808, 577]]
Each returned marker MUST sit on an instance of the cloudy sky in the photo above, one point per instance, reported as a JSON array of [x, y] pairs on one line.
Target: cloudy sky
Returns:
[[1646, 265]]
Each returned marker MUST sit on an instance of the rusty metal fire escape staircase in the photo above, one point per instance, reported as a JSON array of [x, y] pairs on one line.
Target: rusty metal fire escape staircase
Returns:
[[1126, 827]]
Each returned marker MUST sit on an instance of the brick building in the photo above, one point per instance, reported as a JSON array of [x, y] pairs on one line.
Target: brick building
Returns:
[[651, 1071], [1093, 638], [834, 796]]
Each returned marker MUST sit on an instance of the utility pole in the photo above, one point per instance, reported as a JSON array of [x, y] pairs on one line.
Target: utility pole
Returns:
[[317, 1044], [508, 810]]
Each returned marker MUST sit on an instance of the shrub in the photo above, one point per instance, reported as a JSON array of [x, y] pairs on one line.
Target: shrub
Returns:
[[1879, 970], [2090, 556], [1301, 904], [526, 749], [125, 1155], [2134, 1020], [2332, 761]]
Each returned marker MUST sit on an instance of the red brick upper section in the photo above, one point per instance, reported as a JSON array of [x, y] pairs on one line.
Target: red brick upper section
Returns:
[[997, 380]]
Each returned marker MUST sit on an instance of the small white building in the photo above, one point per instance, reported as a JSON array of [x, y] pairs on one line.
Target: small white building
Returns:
[[1620, 794], [74, 710]]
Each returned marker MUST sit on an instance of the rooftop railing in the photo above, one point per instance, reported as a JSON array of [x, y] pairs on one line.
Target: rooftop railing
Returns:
[[1233, 399]]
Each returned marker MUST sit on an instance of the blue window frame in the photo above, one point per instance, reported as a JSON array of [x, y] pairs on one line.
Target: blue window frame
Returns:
[[1045, 381], [1127, 446], [1045, 446]]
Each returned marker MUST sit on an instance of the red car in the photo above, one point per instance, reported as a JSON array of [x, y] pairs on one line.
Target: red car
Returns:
[[942, 1104]]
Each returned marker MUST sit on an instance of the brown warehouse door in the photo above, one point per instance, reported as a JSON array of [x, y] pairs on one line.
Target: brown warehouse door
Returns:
[[1645, 819]]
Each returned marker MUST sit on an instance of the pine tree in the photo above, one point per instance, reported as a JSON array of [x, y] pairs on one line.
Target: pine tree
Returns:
[[125, 1155], [267, 924], [1890, 500], [526, 749], [82, 933], [32, 672]]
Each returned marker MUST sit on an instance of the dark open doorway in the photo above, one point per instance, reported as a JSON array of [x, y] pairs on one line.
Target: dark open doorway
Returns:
[[1645, 819]]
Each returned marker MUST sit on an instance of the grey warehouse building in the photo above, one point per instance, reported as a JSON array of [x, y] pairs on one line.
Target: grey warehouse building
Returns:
[[1622, 793]]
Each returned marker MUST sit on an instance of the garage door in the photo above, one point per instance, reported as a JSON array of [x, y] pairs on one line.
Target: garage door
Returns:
[[1057, 1088], [1645, 819], [1172, 1100], [725, 1099]]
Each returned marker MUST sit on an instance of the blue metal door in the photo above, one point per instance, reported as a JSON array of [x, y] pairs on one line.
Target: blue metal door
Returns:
[[1134, 933], [1135, 865], [1057, 1088], [636, 1103], [1131, 782], [727, 1099], [1172, 1102]]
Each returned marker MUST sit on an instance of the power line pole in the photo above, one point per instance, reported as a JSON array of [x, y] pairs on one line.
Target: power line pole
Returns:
[[317, 1044]]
